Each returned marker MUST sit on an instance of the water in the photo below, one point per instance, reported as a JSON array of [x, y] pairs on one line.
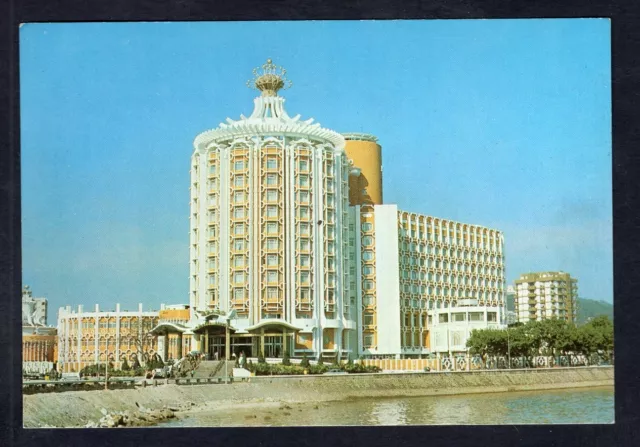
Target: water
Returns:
[[572, 406]]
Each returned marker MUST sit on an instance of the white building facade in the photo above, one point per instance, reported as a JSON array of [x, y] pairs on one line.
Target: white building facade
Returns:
[[425, 282], [269, 222]]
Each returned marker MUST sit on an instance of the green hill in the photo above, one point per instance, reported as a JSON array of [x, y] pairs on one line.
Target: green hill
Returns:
[[592, 308]]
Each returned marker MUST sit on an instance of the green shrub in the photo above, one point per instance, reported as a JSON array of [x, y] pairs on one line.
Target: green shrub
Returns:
[[318, 369], [305, 361], [261, 358], [320, 361], [125, 365], [286, 359]]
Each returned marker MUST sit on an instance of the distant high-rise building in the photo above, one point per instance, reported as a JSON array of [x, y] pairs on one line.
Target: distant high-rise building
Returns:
[[546, 295]]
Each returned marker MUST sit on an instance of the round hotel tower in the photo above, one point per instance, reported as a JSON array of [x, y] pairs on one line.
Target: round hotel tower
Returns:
[[269, 225], [365, 182]]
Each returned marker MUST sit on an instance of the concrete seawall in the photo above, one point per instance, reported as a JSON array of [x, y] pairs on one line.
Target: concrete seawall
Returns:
[[76, 408]]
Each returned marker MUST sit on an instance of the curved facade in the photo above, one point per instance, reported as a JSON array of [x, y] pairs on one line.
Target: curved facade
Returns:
[[269, 222], [88, 338], [365, 186]]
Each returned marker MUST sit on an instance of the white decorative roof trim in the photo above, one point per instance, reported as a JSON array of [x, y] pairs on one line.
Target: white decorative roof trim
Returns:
[[358, 136], [268, 118]]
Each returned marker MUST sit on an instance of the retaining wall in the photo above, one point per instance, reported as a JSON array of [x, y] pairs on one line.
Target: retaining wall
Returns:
[[76, 408]]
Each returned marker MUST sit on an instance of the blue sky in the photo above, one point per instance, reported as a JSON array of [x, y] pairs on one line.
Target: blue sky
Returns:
[[500, 123]]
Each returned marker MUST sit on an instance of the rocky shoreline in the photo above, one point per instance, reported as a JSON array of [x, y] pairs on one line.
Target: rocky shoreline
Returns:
[[143, 417]]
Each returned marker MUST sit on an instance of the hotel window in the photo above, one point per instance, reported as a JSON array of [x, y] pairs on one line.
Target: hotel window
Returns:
[[304, 294], [238, 229], [272, 227], [367, 241], [103, 324], [212, 231], [443, 318], [367, 226], [459, 316], [304, 212], [304, 277], [304, 165], [272, 179], [304, 197], [272, 196], [476, 316], [492, 317], [330, 263], [330, 231], [329, 200], [238, 212], [367, 270], [238, 245], [305, 261], [304, 244], [304, 229], [367, 340], [112, 324], [352, 242], [330, 248], [239, 181], [238, 165], [367, 255], [367, 300], [272, 276], [212, 263], [238, 197], [329, 185], [238, 261], [330, 280], [272, 293], [238, 294], [272, 244], [212, 280], [272, 211], [272, 260], [213, 169], [368, 319], [367, 285], [272, 163], [304, 180]]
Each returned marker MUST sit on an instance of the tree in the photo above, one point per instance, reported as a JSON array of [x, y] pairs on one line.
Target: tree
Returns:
[[286, 358], [125, 365], [305, 361], [261, 358]]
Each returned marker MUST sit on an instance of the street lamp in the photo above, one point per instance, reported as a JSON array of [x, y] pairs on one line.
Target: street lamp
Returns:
[[230, 316]]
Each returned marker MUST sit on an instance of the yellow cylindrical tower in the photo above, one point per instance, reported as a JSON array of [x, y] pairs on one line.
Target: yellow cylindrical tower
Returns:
[[366, 154]]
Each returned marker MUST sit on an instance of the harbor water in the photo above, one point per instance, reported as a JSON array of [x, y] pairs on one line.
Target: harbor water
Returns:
[[567, 406]]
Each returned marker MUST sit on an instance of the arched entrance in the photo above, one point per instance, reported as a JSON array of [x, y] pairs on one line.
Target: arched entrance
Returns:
[[170, 340], [213, 339], [273, 338]]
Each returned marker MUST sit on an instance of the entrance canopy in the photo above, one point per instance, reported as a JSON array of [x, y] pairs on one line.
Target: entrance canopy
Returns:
[[213, 326], [273, 323], [165, 328]]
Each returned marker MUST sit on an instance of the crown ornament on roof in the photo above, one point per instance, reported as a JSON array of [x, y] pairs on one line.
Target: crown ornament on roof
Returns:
[[269, 79]]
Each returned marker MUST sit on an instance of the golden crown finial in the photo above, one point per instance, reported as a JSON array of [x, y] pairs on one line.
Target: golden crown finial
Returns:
[[270, 79]]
